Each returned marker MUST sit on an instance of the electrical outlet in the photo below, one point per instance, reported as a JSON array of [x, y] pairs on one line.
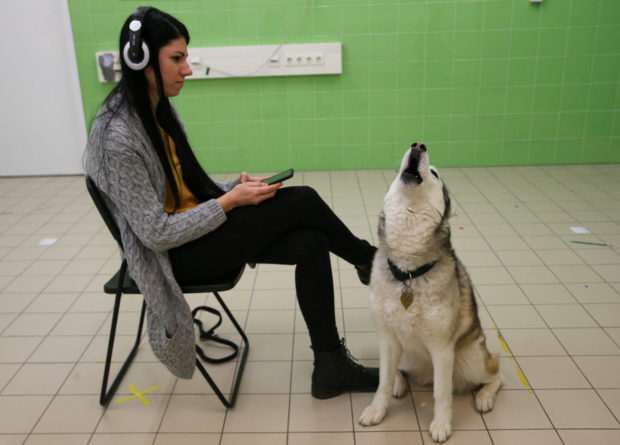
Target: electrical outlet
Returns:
[[304, 59]]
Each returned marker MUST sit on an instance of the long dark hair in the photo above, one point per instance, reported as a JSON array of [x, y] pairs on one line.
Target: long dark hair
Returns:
[[158, 29]]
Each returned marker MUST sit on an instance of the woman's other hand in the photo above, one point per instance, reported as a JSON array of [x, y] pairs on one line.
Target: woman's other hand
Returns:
[[245, 177], [249, 192]]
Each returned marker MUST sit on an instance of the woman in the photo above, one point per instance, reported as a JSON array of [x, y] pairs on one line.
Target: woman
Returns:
[[179, 226]]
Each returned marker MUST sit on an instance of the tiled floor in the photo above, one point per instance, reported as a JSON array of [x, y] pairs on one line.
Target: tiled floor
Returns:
[[549, 302]]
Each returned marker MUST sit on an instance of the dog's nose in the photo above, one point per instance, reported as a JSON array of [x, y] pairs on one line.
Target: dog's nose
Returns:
[[417, 146]]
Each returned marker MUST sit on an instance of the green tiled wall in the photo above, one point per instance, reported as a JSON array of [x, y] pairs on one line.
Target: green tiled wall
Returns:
[[481, 82]]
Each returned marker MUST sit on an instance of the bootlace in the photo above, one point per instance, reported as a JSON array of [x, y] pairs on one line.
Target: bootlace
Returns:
[[350, 358]]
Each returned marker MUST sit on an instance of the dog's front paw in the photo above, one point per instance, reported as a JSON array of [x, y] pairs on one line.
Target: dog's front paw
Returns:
[[400, 385], [440, 431], [372, 415], [485, 401]]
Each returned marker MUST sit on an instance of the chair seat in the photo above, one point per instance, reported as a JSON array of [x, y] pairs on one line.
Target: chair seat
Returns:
[[220, 283]]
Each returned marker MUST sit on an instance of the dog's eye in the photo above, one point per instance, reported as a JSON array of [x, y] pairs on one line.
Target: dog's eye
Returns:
[[435, 174]]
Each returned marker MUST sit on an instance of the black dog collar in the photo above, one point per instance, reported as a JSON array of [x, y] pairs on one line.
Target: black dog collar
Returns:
[[402, 275]]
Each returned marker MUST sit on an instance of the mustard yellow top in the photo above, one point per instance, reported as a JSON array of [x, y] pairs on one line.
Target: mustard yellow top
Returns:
[[187, 198]]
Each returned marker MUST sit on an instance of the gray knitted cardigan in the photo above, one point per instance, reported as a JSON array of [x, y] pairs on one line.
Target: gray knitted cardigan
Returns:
[[120, 159]]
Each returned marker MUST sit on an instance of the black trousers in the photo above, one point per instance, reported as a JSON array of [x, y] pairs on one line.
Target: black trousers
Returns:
[[295, 227]]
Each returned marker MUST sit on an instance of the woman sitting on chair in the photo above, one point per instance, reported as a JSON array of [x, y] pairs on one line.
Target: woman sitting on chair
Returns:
[[179, 226]]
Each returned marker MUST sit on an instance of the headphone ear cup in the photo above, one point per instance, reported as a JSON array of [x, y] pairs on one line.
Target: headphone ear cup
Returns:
[[139, 65]]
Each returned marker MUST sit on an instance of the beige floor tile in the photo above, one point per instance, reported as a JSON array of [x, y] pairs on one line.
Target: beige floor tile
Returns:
[[532, 274], [400, 417], [188, 439], [516, 409], [513, 375], [359, 320], [58, 439], [270, 322], [266, 378], [464, 414], [506, 243], [601, 371], [599, 256], [38, 379], [575, 274], [79, 324], [32, 324], [70, 414], [122, 439], [532, 342], [15, 302], [51, 302], [530, 437], [17, 349], [7, 371], [501, 294], [250, 415], [20, 413], [28, 284], [490, 275], [462, 438], [389, 438], [576, 408], [607, 315], [301, 378], [322, 438], [133, 416], [479, 259], [552, 372], [612, 400], [558, 257], [609, 272], [589, 436], [510, 316], [565, 316], [273, 299], [188, 414], [548, 294], [265, 347], [519, 258], [594, 292], [246, 439], [309, 414], [587, 341], [222, 373]]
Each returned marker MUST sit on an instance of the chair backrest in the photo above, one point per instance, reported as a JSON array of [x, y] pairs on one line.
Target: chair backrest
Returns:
[[95, 194]]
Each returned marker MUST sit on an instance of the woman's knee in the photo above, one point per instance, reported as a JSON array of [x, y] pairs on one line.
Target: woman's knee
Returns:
[[311, 244]]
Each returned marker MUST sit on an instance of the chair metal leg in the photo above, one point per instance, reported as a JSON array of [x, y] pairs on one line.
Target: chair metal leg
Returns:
[[107, 394], [228, 403]]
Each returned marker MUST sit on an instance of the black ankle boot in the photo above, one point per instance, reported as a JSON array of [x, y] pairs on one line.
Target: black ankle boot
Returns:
[[336, 372]]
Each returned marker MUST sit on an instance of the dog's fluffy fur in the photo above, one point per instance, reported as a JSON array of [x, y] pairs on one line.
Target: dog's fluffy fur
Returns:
[[438, 338]]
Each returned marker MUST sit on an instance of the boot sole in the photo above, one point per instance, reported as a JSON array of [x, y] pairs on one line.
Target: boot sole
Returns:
[[328, 393]]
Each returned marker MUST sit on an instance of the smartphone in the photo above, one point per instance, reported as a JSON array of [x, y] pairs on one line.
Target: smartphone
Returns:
[[282, 176]]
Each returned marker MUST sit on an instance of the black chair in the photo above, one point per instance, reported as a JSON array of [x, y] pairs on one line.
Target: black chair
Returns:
[[121, 283]]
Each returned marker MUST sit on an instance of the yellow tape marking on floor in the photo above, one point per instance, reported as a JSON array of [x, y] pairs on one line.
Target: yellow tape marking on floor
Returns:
[[522, 377], [138, 395], [503, 343]]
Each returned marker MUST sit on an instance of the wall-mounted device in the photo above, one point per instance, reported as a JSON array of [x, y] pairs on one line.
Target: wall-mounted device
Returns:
[[246, 61]]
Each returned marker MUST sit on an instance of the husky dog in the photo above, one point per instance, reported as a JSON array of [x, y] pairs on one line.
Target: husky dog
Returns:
[[422, 300]]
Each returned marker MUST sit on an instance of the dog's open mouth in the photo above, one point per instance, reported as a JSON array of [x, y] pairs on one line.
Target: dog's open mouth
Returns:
[[411, 174]]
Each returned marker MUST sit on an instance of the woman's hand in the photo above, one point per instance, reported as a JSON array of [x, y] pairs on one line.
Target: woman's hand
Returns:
[[249, 192], [244, 177]]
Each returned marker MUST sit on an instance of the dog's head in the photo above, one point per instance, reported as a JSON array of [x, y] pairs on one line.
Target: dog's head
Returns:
[[419, 185], [417, 201]]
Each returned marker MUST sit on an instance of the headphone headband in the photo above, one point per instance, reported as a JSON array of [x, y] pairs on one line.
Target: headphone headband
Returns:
[[136, 51]]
